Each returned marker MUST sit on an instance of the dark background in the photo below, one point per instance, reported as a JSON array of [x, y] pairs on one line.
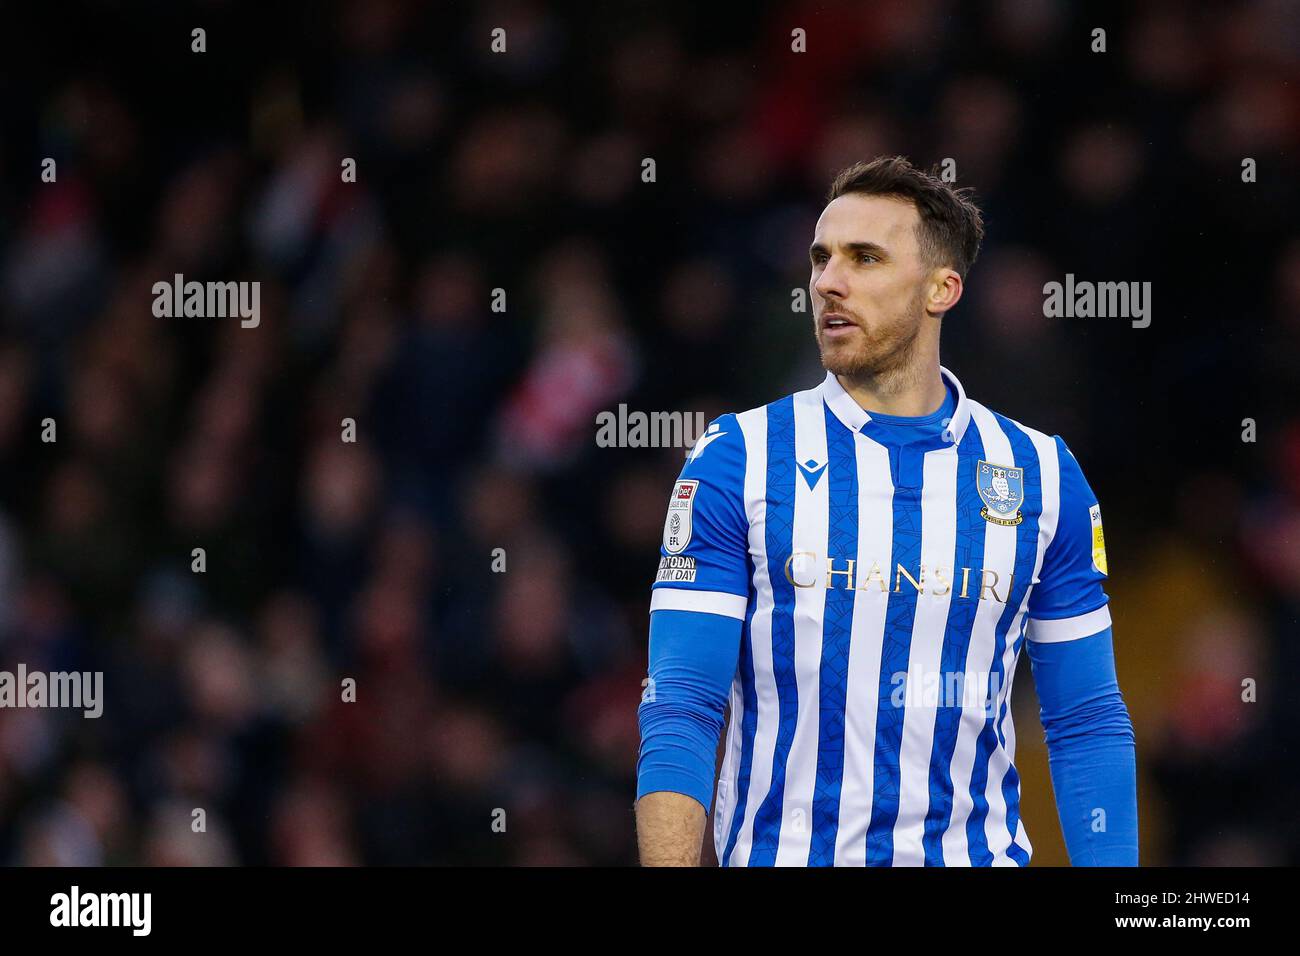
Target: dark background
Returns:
[[480, 691]]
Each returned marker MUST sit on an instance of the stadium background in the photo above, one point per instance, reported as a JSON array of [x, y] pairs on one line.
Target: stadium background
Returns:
[[518, 691]]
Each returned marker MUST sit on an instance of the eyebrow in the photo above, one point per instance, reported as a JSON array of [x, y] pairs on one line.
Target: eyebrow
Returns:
[[871, 247]]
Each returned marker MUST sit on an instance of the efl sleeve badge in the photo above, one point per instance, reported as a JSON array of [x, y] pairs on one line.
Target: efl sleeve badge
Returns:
[[1098, 541], [677, 526]]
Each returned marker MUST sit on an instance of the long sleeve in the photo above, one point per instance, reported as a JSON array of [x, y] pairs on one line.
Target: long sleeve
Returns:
[[692, 662], [1091, 749], [1090, 741], [697, 609]]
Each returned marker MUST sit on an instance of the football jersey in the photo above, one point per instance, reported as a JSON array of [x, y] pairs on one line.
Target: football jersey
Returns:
[[886, 582]]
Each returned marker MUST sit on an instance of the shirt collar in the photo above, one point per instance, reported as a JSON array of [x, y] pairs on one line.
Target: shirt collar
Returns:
[[854, 416]]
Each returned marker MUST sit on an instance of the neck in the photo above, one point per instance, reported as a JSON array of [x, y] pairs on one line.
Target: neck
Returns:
[[910, 390]]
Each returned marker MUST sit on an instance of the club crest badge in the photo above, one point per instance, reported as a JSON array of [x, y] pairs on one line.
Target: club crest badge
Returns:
[[677, 526], [1002, 489]]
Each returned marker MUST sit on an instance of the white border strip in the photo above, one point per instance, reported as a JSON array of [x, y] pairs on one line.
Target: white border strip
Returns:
[[706, 602], [1069, 628]]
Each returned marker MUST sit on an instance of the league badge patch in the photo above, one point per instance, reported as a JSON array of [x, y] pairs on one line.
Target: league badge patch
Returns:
[[677, 526], [1002, 489], [1098, 540]]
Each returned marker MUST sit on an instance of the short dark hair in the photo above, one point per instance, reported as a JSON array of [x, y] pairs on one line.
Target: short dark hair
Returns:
[[952, 226]]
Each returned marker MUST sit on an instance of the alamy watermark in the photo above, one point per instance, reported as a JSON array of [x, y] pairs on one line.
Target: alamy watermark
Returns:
[[208, 300], [635, 429], [78, 690], [1102, 300], [133, 911], [966, 689]]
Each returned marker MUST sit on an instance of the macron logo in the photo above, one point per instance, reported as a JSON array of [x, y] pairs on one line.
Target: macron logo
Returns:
[[812, 472]]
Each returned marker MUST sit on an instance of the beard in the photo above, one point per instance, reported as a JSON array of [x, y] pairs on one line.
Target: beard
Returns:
[[874, 354]]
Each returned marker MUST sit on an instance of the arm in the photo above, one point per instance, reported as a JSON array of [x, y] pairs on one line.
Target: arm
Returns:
[[669, 829], [696, 612], [1091, 749], [692, 661], [1090, 740]]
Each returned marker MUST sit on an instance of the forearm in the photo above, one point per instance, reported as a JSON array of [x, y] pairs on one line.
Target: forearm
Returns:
[[1095, 781], [669, 829], [692, 661], [1091, 749]]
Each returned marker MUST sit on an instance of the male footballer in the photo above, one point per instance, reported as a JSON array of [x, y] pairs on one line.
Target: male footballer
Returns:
[[853, 571]]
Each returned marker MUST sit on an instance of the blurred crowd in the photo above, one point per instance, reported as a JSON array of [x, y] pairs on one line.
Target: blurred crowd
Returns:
[[494, 719]]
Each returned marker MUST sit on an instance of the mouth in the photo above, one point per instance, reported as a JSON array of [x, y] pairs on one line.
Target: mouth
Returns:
[[835, 323]]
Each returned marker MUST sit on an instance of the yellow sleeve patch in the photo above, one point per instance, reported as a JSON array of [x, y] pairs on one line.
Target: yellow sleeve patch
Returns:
[[1098, 541]]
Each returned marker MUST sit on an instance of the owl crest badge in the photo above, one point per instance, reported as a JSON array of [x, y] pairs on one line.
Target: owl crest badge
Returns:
[[1002, 489]]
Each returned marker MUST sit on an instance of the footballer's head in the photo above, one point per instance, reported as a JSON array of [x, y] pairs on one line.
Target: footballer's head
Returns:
[[889, 257]]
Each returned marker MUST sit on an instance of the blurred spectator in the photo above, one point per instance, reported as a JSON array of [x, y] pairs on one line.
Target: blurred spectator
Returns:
[[415, 631]]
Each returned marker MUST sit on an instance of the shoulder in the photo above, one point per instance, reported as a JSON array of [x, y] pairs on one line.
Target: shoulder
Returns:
[[737, 440], [1055, 462], [756, 426], [719, 451]]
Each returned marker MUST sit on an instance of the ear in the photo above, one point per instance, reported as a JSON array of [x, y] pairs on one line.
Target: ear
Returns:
[[944, 291]]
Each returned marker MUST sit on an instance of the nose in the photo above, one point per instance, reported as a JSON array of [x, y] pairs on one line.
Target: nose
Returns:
[[830, 284]]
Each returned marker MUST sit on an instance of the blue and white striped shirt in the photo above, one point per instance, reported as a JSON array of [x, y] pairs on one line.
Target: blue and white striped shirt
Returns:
[[886, 589]]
